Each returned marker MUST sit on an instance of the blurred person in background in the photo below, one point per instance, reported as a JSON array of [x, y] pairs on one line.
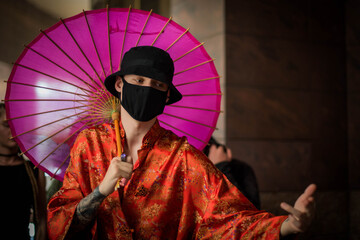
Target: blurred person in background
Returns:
[[239, 173], [22, 191]]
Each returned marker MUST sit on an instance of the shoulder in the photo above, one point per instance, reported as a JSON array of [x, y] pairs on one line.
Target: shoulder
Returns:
[[104, 129], [96, 135], [194, 160]]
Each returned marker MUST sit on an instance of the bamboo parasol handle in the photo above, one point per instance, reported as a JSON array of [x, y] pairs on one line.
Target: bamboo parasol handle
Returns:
[[115, 117]]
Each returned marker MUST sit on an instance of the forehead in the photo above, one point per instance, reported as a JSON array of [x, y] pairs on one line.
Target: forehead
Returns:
[[134, 76]]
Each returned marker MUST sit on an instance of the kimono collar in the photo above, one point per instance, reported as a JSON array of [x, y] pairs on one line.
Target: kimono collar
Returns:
[[150, 137]]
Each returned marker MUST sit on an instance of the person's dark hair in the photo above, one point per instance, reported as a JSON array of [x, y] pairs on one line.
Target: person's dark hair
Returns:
[[212, 141], [2, 106]]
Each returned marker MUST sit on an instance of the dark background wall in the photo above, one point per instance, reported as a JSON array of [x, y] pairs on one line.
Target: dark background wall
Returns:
[[353, 108], [293, 104]]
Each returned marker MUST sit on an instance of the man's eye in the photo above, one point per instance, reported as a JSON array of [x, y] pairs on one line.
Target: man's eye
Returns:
[[139, 80]]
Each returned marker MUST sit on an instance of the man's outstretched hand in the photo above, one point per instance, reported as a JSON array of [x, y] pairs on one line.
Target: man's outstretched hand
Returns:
[[301, 215]]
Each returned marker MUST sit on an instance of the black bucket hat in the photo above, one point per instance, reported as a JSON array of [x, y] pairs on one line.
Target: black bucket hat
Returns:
[[146, 61]]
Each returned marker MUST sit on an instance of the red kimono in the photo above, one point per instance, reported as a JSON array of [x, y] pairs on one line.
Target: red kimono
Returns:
[[175, 192]]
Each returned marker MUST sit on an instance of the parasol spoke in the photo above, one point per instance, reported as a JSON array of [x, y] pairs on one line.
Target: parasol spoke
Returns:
[[39, 113], [195, 66], [63, 162], [195, 108], [47, 124], [100, 109], [185, 119], [63, 142], [103, 99], [53, 77], [183, 132], [72, 60], [93, 41], [123, 43], [196, 47], [177, 39], [142, 31], [46, 100], [108, 28], [77, 44], [68, 156], [161, 31], [200, 95], [53, 135], [41, 55], [196, 81], [47, 88]]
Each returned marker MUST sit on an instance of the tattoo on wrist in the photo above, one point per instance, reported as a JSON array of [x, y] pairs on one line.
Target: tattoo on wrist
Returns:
[[87, 208]]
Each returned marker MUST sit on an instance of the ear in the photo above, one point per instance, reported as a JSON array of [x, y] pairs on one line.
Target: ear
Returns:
[[118, 84]]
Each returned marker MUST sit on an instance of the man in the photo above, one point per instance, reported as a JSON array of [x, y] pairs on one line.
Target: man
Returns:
[[172, 191]]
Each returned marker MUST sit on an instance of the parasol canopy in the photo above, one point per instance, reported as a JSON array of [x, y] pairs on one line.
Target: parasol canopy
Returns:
[[56, 88]]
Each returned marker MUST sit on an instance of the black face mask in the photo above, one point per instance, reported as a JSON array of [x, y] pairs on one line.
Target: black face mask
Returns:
[[142, 103]]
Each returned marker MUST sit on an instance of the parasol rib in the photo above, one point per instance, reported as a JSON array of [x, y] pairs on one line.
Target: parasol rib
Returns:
[[205, 94], [103, 102], [53, 135], [68, 156], [93, 41], [108, 30], [63, 162], [53, 77], [96, 99], [198, 65], [70, 136], [177, 39], [196, 81], [142, 31], [35, 114], [47, 124], [72, 60], [123, 43], [195, 108], [87, 59], [46, 100], [52, 89], [196, 47], [161, 31], [185, 119], [82, 80], [182, 132], [98, 109]]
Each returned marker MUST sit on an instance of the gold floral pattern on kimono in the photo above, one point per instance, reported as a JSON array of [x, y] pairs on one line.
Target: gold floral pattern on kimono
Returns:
[[175, 192]]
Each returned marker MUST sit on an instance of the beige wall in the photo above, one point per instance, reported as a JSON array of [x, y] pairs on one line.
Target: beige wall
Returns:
[[206, 21]]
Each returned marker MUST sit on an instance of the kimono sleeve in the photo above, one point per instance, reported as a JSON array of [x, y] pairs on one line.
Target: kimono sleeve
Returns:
[[225, 213], [76, 185]]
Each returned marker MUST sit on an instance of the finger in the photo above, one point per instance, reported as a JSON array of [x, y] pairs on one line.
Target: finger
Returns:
[[129, 159], [310, 190], [229, 154], [295, 222], [116, 159], [290, 209], [123, 182], [212, 147]]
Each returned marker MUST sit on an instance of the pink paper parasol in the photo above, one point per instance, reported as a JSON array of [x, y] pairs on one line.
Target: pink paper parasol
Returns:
[[56, 86]]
